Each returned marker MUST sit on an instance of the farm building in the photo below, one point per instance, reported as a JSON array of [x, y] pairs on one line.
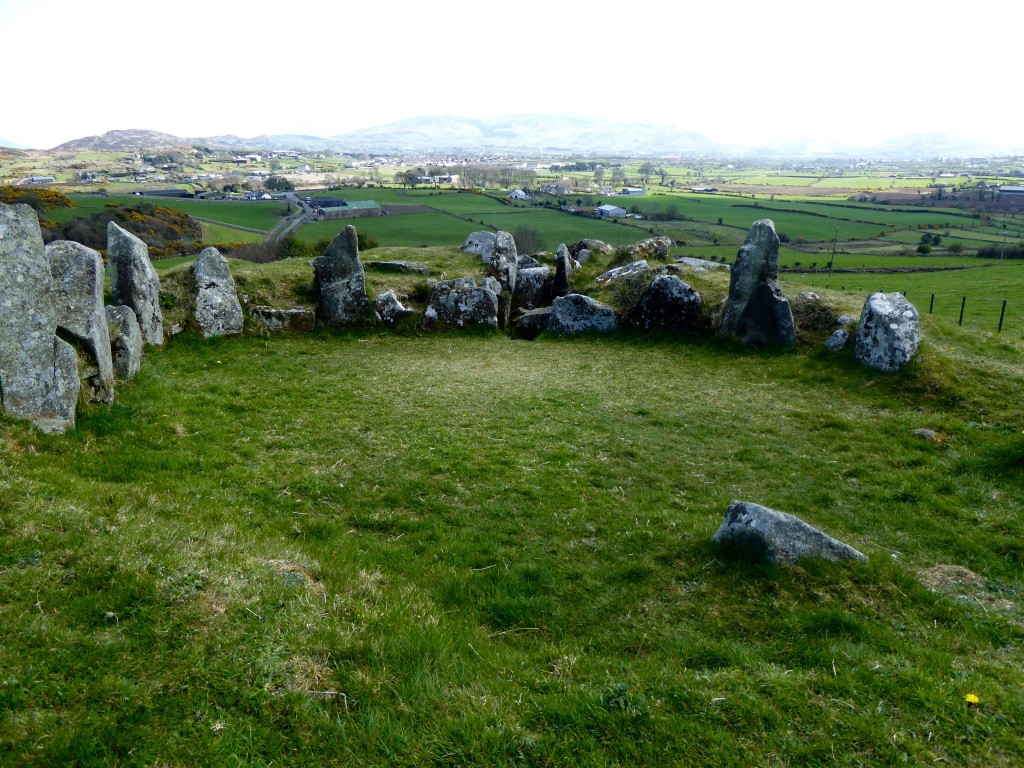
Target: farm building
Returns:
[[633, 191], [1013, 190], [607, 211], [340, 209], [518, 194]]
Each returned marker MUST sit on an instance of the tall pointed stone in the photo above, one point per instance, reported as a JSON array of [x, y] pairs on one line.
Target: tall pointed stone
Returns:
[[77, 296], [756, 311], [216, 309], [340, 281], [38, 370], [133, 281], [504, 266]]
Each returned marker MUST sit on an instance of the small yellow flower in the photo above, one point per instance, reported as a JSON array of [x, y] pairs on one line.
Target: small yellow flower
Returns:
[[971, 699]]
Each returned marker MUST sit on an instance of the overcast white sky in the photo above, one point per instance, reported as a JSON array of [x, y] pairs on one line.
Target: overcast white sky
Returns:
[[743, 72]]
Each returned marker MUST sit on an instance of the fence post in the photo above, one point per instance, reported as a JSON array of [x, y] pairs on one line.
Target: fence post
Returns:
[[1002, 314], [931, 306], [962, 305]]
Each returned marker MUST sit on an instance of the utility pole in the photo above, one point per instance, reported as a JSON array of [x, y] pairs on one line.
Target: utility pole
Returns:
[[832, 261]]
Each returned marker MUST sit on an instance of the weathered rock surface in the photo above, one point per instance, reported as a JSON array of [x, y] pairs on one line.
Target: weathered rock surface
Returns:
[[590, 245], [38, 370], [459, 304], [532, 324], [651, 248], [576, 313], [778, 537], [565, 266], [527, 262], [401, 267], [125, 341], [216, 309], [532, 288], [701, 265], [504, 266], [133, 281], [839, 338], [618, 273], [292, 320], [756, 311], [480, 243], [888, 333], [668, 305], [76, 292], [340, 281], [389, 309]]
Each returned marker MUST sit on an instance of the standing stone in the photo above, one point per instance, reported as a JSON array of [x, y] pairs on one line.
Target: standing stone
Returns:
[[889, 332], [563, 271], [668, 304], [76, 291], [125, 341], [778, 537], [38, 370], [460, 303], [531, 287], [504, 266], [217, 311], [756, 311], [133, 281], [340, 281]]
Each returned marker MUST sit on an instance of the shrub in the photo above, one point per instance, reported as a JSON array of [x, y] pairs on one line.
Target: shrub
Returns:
[[528, 240]]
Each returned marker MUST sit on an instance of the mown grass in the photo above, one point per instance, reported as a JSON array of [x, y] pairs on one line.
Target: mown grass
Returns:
[[375, 549]]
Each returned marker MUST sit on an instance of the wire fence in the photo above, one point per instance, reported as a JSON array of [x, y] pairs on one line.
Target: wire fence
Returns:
[[992, 314]]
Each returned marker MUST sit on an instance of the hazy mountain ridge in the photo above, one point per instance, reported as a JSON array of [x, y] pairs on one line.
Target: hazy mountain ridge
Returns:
[[543, 133]]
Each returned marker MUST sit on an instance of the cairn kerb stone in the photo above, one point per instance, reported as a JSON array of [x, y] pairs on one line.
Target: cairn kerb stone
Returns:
[[389, 309], [291, 320], [341, 282], [460, 304], [532, 288], [778, 537], [125, 341], [667, 305], [755, 310], [38, 370], [133, 281], [532, 324], [482, 244], [76, 290], [216, 309], [576, 313]]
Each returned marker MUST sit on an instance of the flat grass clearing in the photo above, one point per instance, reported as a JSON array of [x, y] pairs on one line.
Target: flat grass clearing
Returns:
[[984, 287], [369, 549]]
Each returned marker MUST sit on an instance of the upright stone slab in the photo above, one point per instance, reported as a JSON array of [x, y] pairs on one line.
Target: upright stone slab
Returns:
[[668, 305], [216, 309], [563, 271], [340, 281], [889, 332], [76, 291], [756, 311], [460, 304], [531, 288], [133, 281], [504, 266], [38, 370], [125, 341]]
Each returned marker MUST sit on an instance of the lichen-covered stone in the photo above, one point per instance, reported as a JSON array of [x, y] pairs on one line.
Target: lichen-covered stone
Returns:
[[480, 243], [504, 267], [667, 305], [389, 309], [291, 320], [778, 537], [216, 311], [889, 332], [576, 313], [341, 282], [133, 281], [38, 370], [76, 289], [460, 304], [125, 341], [532, 288], [755, 310], [837, 340], [628, 270]]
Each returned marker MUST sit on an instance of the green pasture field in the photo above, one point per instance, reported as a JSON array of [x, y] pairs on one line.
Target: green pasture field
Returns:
[[355, 548], [218, 233], [408, 230], [556, 227], [261, 215], [984, 287], [381, 195]]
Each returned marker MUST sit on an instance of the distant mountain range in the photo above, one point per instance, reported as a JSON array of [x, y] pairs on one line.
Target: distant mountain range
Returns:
[[543, 134], [11, 144]]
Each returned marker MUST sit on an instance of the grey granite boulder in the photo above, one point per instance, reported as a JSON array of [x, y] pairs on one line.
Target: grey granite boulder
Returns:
[[576, 313], [532, 288], [651, 248], [480, 243], [628, 270], [133, 281], [216, 310], [527, 262], [76, 289], [778, 537], [341, 282], [125, 341], [38, 370], [459, 304], [888, 333], [755, 310], [667, 305], [504, 266], [837, 340], [594, 246], [389, 309]]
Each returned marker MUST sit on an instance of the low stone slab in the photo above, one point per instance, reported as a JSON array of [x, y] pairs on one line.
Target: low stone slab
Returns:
[[399, 267], [778, 537], [389, 309], [618, 273], [839, 339], [293, 320], [532, 324], [576, 313], [700, 264], [460, 304]]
